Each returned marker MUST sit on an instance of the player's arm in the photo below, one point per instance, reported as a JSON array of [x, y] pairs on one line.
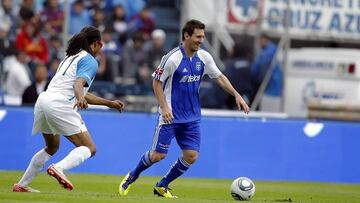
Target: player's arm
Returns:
[[95, 100], [166, 112], [81, 102], [85, 74], [225, 84]]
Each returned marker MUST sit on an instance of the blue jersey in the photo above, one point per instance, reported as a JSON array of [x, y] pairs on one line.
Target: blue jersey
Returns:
[[181, 77]]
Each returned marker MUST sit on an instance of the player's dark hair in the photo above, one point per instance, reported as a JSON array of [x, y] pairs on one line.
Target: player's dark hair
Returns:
[[83, 40], [190, 26]]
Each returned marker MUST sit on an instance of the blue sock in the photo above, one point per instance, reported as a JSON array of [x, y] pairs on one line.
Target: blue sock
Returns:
[[143, 164], [177, 169]]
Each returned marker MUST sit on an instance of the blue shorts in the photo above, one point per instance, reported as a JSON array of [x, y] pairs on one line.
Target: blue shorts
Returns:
[[187, 136]]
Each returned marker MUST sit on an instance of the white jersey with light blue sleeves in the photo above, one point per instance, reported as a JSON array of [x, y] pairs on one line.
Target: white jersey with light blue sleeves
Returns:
[[82, 65], [181, 77]]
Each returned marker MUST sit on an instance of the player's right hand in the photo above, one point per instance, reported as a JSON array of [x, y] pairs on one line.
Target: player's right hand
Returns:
[[81, 103], [117, 104], [242, 104], [167, 115]]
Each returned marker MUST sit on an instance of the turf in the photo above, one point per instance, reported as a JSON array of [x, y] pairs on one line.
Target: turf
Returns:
[[103, 188]]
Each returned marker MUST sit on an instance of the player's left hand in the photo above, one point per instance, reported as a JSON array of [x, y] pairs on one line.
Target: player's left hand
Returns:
[[81, 103], [241, 104], [117, 104]]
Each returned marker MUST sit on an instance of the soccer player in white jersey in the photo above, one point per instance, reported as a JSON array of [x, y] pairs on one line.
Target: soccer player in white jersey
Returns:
[[56, 110], [176, 86]]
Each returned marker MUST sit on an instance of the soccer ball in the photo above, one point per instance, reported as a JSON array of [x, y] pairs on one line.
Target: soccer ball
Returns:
[[242, 188]]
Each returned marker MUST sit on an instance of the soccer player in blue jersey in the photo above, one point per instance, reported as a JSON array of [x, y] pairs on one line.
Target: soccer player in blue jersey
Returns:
[[176, 86], [56, 110]]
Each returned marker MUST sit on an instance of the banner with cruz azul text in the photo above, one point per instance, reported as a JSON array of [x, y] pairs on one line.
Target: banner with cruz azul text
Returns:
[[322, 18], [315, 19]]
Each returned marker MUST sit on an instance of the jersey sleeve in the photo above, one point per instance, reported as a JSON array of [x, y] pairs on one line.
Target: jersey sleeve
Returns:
[[211, 68], [164, 70], [86, 68]]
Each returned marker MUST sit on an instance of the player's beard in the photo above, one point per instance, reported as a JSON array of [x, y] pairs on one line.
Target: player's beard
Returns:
[[195, 48]]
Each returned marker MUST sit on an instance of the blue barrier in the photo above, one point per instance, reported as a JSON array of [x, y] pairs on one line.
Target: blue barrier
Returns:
[[231, 147]]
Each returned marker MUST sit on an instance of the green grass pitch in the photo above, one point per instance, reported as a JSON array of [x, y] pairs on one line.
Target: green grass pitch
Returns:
[[89, 188]]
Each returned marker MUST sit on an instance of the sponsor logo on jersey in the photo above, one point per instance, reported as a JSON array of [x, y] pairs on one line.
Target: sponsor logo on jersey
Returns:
[[190, 78]]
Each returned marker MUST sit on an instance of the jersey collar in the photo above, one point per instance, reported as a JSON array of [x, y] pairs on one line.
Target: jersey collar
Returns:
[[181, 46]]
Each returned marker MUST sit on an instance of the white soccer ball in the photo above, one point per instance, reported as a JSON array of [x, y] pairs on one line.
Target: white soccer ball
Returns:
[[242, 188]]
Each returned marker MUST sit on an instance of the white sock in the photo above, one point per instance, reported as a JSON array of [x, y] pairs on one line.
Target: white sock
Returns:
[[74, 158], [36, 164]]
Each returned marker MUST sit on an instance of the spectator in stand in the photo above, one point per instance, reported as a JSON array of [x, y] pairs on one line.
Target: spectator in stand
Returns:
[[143, 77], [116, 21], [38, 5], [35, 5], [156, 48], [142, 22], [131, 7], [25, 8], [105, 70], [7, 47], [30, 41], [271, 100], [134, 58], [110, 46], [52, 17], [53, 66], [238, 72], [55, 48], [79, 17], [32, 92], [91, 5], [18, 75], [8, 18], [112, 51], [98, 19]]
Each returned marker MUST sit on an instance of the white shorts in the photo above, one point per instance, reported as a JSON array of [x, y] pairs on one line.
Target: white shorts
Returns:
[[54, 114]]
